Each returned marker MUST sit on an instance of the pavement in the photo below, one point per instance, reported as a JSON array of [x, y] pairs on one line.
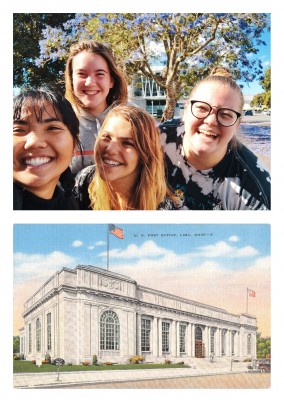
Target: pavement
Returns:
[[53, 379], [258, 119]]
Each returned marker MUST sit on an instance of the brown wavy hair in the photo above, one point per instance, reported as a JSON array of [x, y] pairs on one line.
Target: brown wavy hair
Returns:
[[151, 187], [118, 93]]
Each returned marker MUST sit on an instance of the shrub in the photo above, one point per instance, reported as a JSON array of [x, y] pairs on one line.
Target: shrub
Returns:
[[47, 358], [85, 363], [180, 363], [45, 362], [34, 361], [95, 359], [249, 366], [136, 359], [108, 363], [168, 361]]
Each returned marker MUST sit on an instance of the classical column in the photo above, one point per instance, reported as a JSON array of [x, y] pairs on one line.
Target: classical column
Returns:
[[95, 330], [138, 334], [173, 339], [160, 352], [178, 339], [193, 340], [206, 341], [155, 337]]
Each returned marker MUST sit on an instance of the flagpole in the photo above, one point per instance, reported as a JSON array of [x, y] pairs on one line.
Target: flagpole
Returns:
[[107, 246], [247, 300]]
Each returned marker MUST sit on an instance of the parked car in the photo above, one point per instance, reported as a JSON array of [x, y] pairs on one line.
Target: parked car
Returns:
[[248, 112], [264, 365], [266, 112]]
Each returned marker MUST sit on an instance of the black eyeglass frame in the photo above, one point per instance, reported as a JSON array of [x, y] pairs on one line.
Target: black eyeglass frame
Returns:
[[218, 110]]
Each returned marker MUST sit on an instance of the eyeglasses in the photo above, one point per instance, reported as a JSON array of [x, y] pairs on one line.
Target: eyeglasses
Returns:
[[225, 116]]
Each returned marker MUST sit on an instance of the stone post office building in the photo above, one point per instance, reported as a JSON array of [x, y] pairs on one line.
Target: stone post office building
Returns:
[[90, 311]]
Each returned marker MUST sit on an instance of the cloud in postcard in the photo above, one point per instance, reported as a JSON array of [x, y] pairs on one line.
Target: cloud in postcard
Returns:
[[221, 249], [77, 243], [27, 266]]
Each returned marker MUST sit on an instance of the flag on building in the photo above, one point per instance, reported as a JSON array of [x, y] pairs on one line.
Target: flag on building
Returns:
[[116, 231], [251, 293]]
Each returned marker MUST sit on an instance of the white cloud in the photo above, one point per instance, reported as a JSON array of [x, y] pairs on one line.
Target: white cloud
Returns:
[[27, 266], [100, 243], [148, 249], [233, 238], [77, 243], [221, 249], [91, 247]]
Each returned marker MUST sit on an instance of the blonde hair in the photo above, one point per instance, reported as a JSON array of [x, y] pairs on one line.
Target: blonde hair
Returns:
[[221, 75], [151, 187], [118, 93]]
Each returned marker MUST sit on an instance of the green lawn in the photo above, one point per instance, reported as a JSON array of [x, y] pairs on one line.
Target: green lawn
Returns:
[[28, 366]]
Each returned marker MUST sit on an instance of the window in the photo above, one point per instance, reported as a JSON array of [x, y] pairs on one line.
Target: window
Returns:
[[145, 334], [38, 335], [109, 332], [30, 338], [165, 336], [212, 340], [182, 330], [249, 344], [223, 342], [48, 331]]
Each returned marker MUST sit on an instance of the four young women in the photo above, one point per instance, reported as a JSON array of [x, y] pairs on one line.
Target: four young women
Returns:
[[206, 166]]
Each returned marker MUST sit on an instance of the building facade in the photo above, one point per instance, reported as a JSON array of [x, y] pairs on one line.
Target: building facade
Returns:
[[90, 311]]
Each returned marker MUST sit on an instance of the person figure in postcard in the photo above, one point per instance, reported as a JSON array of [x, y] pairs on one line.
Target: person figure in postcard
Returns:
[[205, 162], [129, 167], [45, 133], [94, 85]]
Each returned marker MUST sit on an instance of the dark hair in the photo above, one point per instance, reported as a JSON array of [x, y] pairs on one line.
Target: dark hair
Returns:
[[118, 93], [35, 99]]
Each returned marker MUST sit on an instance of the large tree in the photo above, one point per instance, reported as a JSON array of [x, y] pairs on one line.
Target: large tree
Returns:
[[188, 45], [27, 33]]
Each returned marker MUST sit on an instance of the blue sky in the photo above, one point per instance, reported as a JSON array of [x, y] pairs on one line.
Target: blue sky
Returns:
[[212, 263], [264, 55]]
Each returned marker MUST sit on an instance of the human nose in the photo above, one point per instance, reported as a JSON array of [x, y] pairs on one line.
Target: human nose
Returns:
[[112, 146], [89, 81], [212, 117], [35, 139]]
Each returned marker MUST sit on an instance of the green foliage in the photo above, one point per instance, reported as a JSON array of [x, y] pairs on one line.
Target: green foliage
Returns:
[[29, 366], [263, 346], [16, 344], [263, 99], [27, 33], [95, 359]]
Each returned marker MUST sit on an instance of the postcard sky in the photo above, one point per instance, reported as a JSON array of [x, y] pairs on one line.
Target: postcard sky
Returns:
[[213, 264]]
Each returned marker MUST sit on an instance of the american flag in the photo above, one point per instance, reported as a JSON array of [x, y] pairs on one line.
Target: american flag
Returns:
[[251, 293], [116, 231]]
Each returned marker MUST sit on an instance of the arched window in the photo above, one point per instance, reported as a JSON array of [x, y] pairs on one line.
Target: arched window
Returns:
[[109, 331], [38, 335], [198, 333], [249, 344]]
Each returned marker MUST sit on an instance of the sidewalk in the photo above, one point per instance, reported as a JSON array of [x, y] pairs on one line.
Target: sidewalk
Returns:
[[81, 377]]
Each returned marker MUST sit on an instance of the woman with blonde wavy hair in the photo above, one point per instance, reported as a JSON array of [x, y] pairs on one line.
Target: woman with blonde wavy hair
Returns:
[[129, 167]]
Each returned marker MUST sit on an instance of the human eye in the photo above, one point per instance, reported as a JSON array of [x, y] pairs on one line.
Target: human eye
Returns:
[[227, 114], [18, 129], [128, 143], [201, 107]]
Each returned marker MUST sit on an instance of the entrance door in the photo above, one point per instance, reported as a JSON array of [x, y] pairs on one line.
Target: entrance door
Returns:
[[199, 345]]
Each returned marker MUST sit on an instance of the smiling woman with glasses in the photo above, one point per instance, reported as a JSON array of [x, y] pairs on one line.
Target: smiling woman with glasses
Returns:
[[205, 162]]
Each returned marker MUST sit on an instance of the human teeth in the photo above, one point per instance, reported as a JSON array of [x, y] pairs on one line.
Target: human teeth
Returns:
[[112, 163], [91, 92], [208, 133], [37, 161]]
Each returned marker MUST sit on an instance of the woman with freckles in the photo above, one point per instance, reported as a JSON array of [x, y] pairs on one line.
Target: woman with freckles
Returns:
[[129, 168], [206, 164], [94, 85], [45, 132]]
